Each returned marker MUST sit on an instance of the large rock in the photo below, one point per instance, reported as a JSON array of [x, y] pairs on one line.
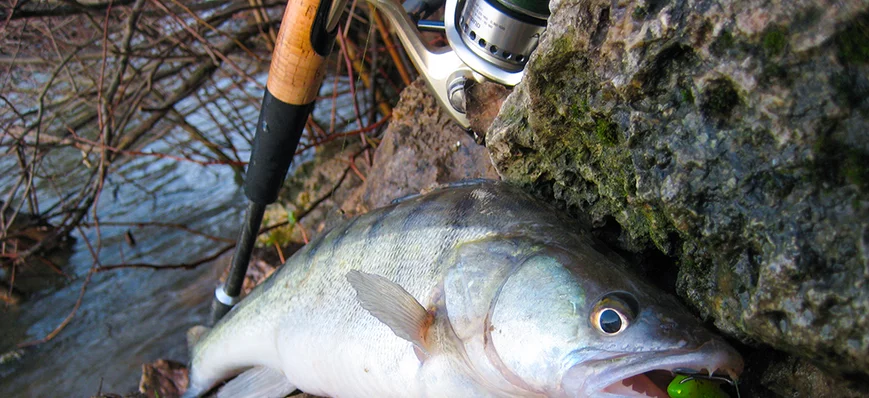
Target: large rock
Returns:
[[730, 136], [422, 148]]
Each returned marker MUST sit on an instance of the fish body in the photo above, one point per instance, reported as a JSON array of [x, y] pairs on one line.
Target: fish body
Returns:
[[470, 291]]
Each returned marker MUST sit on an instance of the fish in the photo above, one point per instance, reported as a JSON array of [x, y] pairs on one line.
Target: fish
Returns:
[[472, 290]]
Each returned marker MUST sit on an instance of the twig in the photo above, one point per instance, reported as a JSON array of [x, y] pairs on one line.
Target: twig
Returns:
[[342, 42], [66, 320], [368, 80], [259, 14], [356, 170], [217, 53], [75, 8], [390, 46], [332, 137], [75, 308], [191, 265], [260, 21], [160, 225], [85, 144], [304, 234], [281, 252]]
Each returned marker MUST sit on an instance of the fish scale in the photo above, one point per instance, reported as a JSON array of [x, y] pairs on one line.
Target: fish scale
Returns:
[[305, 327]]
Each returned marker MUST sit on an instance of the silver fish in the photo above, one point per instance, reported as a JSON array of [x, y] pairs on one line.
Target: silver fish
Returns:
[[468, 291]]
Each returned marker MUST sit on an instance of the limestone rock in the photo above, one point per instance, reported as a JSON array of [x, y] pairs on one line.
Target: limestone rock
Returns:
[[484, 101], [422, 147], [730, 136]]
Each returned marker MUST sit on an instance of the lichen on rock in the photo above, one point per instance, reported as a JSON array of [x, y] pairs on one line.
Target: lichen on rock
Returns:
[[730, 136]]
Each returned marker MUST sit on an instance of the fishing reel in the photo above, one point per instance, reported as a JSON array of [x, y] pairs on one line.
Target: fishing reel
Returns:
[[488, 40]]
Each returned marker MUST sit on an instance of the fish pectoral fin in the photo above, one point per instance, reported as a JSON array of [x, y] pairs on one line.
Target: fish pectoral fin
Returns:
[[257, 382], [392, 305]]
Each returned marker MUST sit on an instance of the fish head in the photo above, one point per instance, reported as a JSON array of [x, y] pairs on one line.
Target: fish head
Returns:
[[581, 325]]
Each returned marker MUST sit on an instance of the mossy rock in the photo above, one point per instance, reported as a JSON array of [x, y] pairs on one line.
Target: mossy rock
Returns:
[[728, 142]]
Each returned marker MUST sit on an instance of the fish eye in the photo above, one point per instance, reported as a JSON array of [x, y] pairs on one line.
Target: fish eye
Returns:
[[613, 313], [610, 321]]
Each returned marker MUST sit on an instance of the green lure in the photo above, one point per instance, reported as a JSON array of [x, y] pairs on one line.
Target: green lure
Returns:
[[695, 388]]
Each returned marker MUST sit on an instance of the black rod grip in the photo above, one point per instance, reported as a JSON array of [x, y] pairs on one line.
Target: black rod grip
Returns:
[[278, 131]]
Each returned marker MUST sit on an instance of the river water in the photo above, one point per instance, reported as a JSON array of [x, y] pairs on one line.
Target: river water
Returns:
[[131, 316]]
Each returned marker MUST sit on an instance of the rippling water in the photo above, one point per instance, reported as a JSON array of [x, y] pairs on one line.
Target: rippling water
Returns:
[[131, 316], [128, 317]]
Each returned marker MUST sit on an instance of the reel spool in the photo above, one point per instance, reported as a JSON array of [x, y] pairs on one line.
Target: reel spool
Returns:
[[502, 32], [489, 40]]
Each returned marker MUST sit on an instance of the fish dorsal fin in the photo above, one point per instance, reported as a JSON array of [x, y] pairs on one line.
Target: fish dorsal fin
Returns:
[[257, 382], [392, 305]]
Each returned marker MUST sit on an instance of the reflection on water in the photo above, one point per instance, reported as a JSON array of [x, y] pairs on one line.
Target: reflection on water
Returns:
[[132, 316], [127, 317]]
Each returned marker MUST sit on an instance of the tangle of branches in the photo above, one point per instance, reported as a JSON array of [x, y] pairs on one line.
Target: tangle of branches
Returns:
[[86, 88]]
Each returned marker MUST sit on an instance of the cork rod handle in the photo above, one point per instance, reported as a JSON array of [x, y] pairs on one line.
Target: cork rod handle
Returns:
[[296, 69]]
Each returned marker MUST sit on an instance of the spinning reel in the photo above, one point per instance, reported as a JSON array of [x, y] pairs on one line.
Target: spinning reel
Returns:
[[488, 40]]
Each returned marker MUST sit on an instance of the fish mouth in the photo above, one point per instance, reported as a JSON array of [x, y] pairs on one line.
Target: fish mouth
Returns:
[[650, 374], [648, 384], [655, 383]]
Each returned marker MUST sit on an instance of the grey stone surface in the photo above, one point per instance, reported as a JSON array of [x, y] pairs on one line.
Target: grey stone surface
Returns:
[[422, 148], [730, 136]]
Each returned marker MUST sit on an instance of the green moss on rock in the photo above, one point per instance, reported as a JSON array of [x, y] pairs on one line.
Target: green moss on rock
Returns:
[[723, 42], [606, 131], [703, 150], [687, 95], [720, 97], [775, 39], [856, 170], [569, 143], [853, 41], [836, 162]]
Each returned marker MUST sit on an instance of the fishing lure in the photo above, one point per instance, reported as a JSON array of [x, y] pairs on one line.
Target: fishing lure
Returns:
[[695, 385]]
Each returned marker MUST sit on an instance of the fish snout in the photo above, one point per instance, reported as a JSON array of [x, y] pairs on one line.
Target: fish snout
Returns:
[[720, 358], [675, 330], [648, 373], [699, 343]]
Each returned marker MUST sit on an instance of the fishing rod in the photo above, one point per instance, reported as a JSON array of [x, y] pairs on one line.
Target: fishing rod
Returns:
[[305, 39], [489, 40]]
